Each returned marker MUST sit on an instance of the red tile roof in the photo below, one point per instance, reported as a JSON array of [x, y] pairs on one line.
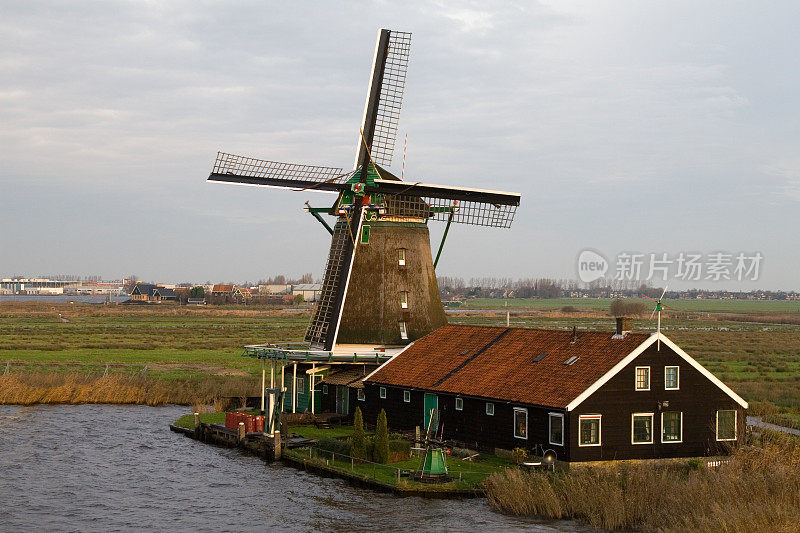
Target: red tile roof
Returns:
[[222, 288], [498, 362]]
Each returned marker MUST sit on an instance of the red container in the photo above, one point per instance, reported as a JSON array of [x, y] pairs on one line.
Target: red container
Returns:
[[229, 417], [259, 423], [249, 423]]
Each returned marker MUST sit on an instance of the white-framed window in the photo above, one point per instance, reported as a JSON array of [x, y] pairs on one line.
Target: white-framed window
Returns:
[[382, 392], [459, 404], [555, 429], [299, 385], [489, 408], [589, 430], [642, 428], [642, 378], [360, 395], [324, 388], [403, 331], [520, 423], [401, 257], [672, 378], [726, 424], [404, 299], [407, 396], [672, 426]]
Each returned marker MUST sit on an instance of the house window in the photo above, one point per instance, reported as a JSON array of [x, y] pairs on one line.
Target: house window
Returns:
[[556, 430], [589, 430], [360, 395], [726, 425], [383, 393], [642, 378], [671, 426], [671, 377], [459, 404], [324, 388], [642, 428], [300, 385], [365, 234], [401, 257], [403, 331], [520, 423], [404, 299], [407, 396], [489, 409]]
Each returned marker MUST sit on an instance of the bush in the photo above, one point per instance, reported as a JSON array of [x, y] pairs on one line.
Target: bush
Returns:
[[622, 308], [518, 455], [399, 450], [462, 453], [381, 452], [359, 449], [333, 445]]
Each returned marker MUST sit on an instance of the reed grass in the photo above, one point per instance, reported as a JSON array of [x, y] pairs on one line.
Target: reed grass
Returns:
[[75, 388], [758, 490]]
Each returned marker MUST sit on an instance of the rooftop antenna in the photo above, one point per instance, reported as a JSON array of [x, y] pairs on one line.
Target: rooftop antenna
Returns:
[[659, 306]]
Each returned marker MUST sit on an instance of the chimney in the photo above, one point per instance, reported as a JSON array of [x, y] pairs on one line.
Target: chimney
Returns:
[[623, 326]]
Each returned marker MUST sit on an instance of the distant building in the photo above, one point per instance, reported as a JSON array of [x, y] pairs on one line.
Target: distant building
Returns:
[[274, 289], [310, 291], [147, 292], [224, 290]]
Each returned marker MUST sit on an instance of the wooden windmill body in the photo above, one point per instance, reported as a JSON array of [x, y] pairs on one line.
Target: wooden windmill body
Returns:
[[380, 285]]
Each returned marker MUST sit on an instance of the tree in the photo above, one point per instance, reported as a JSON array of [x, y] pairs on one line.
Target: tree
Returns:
[[358, 448], [197, 292], [381, 452], [298, 299]]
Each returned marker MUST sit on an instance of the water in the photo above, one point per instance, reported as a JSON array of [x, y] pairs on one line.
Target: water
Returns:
[[62, 298], [119, 468]]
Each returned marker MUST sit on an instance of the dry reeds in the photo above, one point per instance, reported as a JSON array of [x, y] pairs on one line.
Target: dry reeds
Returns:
[[74, 388], [758, 490]]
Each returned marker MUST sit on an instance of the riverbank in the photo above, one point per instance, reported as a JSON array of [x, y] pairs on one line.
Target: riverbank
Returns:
[[30, 388], [757, 489], [465, 481]]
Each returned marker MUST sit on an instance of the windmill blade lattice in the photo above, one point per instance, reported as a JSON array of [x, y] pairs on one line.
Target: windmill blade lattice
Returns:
[[241, 169], [391, 97]]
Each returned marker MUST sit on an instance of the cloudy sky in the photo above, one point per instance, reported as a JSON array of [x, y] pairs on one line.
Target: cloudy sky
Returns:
[[655, 127]]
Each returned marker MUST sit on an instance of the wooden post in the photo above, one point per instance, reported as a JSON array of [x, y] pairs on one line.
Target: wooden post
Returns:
[[294, 388], [271, 395], [196, 421], [276, 442], [242, 432], [311, 384], [263, 384]]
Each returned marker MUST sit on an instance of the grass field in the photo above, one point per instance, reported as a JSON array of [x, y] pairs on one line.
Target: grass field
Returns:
[[751, 345], [602, 304]]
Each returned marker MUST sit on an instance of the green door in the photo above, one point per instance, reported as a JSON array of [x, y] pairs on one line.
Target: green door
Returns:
[[431, 402]]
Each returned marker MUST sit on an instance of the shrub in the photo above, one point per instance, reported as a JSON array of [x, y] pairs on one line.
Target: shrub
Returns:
[[333, 445], [518, 455], [462, 453], [381, 452], [359, 449], [399, 450]]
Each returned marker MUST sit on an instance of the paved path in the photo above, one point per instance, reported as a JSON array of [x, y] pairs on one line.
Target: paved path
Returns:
[[756, 421]]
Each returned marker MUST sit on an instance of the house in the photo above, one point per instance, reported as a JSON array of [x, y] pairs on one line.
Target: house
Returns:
[[163, 294], [586, 395], [224, 290], [142, 292], [245, 293], [274, 289], [310, 291]]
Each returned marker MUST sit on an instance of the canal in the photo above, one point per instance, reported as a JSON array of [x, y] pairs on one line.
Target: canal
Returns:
[[119, 468]]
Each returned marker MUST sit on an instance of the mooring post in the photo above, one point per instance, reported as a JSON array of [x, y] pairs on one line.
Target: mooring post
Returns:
[[271, 429], [196, 421], [263, 384], [294, 388], [276, 442], [242, 432]]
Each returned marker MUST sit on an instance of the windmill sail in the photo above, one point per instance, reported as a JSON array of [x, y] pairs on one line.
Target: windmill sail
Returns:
[[248, 170]]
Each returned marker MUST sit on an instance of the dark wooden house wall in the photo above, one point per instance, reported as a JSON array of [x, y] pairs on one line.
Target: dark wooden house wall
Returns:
[[617, 400], [470, 426]]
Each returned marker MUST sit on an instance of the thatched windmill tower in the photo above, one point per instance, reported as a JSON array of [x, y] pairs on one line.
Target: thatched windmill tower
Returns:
[[380, 286]]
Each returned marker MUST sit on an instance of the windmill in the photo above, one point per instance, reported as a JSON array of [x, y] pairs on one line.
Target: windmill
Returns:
[[380, 285], [657, 309], [433, 468]]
